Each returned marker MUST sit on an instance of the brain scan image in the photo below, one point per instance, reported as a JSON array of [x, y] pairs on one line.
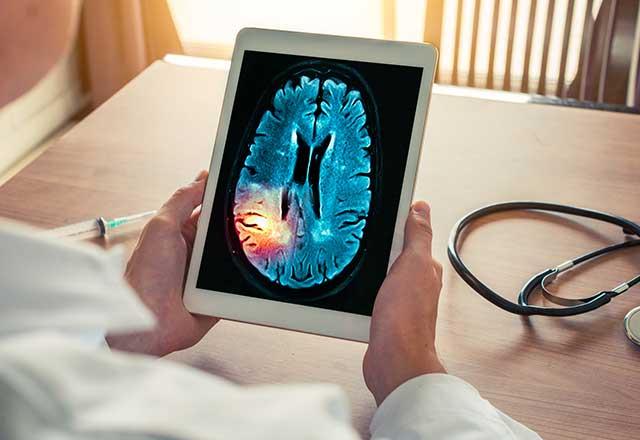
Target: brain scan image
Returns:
[[304, 184], [308, 183]]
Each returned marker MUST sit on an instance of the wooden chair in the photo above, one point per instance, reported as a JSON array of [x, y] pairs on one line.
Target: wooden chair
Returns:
[[608, 65]]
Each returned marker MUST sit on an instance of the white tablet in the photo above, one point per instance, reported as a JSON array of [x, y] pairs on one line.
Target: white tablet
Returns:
[[311, 180]]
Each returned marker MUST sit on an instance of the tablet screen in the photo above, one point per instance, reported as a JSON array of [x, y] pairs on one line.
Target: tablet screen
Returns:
[[311, 176]]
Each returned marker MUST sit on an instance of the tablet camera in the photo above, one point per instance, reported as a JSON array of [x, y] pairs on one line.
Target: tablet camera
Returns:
[[302, 198]]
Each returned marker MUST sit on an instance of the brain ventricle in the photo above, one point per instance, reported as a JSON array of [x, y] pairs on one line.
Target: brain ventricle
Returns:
[[302, 198]]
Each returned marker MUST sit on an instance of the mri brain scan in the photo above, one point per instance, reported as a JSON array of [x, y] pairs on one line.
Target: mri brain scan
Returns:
[[302, 195]]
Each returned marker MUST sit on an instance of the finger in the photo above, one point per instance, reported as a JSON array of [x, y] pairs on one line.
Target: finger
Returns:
[[204, 324], [418, 234], [183, 202], [190, 226], [192, 221], [438, 269], [202, 175], [195, 215]]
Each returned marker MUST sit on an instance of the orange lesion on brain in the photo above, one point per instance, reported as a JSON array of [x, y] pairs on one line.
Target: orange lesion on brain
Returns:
[[259, 223]]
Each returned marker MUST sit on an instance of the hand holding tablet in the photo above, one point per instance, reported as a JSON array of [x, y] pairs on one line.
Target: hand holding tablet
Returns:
[[310, 181]]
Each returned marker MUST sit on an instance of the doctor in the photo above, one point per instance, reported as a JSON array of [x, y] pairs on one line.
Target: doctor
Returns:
[[58, 382]]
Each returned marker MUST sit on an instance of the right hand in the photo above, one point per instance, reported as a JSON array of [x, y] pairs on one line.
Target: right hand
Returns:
[[403, 324]]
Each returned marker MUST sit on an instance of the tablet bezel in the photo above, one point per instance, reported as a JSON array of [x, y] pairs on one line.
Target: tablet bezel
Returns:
[[278, 314]]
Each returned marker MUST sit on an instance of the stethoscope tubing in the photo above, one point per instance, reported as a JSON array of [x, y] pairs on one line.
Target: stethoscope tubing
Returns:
[[522, 307]]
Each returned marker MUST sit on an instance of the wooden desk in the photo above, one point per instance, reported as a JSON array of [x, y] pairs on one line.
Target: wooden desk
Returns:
[[573, 378]]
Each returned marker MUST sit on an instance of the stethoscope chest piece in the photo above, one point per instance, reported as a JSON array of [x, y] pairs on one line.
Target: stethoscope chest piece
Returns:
[[632, 325]]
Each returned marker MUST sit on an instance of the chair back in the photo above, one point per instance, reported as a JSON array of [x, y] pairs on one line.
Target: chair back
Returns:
[[586, 50]]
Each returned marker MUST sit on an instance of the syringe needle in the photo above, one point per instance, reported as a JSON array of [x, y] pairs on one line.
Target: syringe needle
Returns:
[[98, 227]]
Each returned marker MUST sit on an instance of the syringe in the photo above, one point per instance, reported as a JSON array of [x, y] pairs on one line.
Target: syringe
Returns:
[[98, 227]]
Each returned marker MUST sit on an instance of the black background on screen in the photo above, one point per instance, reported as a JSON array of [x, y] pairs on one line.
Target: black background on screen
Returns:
[[395, 91]]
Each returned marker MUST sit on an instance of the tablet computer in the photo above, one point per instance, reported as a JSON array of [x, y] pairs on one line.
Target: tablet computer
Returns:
[[311, 180]]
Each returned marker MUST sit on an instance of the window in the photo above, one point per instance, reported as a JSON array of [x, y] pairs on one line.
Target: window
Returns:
[[208, 28]]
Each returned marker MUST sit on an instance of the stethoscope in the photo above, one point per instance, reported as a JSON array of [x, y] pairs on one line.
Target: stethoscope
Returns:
[[542, 280]]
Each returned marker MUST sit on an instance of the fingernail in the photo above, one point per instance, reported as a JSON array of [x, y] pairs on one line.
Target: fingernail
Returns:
[[201, 175], [421, 209]]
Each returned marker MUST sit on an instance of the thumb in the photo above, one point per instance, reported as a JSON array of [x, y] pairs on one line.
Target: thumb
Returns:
[[183, 202], [418, 234]]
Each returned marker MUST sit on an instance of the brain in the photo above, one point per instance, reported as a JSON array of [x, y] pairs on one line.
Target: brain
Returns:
[[302, 199]]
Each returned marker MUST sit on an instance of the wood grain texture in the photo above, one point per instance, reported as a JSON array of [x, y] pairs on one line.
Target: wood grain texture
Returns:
[[573, 378]]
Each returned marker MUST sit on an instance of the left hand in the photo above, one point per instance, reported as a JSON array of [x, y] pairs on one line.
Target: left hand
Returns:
[[157, 270]]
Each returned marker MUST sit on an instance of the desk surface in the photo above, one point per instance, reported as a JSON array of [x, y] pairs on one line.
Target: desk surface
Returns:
[[572, 378]]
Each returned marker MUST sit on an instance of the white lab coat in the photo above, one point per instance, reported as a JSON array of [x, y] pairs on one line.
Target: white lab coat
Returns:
[[59, 383]]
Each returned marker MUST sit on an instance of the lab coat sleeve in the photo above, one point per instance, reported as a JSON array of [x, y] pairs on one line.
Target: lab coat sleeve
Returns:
[[55, 387], [441, 406], [48, 283]]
